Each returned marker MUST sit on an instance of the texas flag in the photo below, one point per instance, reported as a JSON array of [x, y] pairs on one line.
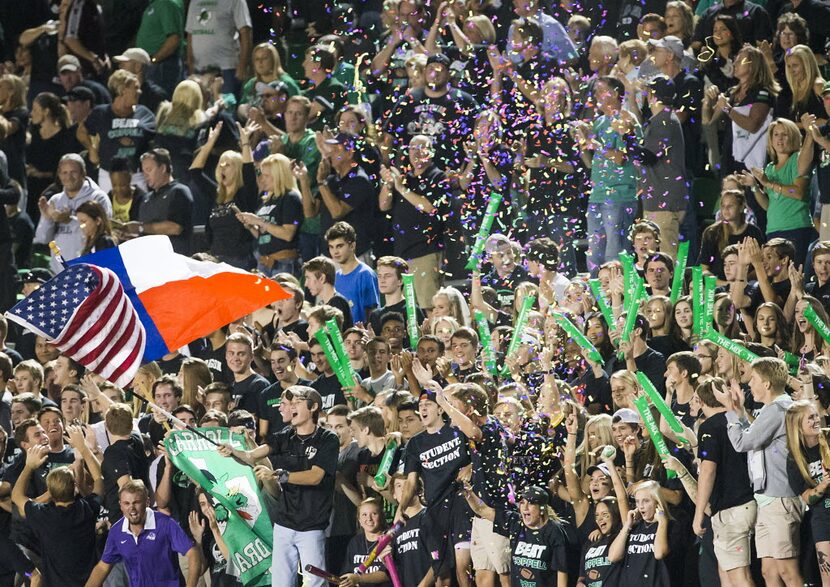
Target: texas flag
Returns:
[[179, 299]]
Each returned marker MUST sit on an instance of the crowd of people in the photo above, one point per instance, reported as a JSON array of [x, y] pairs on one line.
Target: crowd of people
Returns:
[[338, 148]]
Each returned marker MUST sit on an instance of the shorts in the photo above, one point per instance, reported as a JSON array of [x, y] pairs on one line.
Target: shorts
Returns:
[[777, 532], [820, 518], [490, 551], [447, 525], [732, 529]]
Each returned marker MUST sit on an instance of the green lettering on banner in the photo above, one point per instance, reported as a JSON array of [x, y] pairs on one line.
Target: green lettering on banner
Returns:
[[240, 510]]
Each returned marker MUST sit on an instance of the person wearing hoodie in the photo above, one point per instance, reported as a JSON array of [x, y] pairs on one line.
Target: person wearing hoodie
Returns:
[[10, 194], [57, 215]]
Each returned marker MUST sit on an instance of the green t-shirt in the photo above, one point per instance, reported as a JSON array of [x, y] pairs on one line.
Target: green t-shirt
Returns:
[[786, 213], [611, 182], [161, 19], [249, 89]]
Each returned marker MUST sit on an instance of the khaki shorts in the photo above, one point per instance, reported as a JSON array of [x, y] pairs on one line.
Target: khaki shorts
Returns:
[[427, 272], [777, 532], [732, 530], [489, 551]]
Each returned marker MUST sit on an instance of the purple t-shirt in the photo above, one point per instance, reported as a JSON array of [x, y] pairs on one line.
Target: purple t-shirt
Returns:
[[151, 559]]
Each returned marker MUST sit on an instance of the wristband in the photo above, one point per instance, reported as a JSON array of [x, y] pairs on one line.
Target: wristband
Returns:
[[281, 475]]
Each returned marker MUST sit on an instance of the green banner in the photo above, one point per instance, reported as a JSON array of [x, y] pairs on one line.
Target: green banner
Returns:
[[240, 510]]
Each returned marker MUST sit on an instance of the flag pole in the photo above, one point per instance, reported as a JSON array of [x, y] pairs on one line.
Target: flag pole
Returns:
[[187, 427]]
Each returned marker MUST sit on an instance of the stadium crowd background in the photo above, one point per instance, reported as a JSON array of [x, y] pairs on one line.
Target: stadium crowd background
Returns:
[[337, 148]]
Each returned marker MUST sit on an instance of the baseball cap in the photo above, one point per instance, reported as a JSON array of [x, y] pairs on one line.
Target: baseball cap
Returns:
[[68, 63], [80, 94], [628, 416], [497, 242], [135, 54], [36, 275], [428, 395], [663, 88], [303, 392], [669, 43], [600, 467], [345, 139], [536, 495], [439, 58]]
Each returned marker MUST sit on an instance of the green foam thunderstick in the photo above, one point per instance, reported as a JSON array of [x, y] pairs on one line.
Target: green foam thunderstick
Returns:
[[382, 476], [603, 306], [331, 355], [487, 351], [817, 323], [679, 271], [697, 300], [653, 431], [730, 345], [518, 329], [484, 231], [411, 314], [340, 349], [578, 337], [660, 404]]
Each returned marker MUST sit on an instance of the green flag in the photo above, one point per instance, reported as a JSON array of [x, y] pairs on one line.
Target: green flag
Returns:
[[240, 509]]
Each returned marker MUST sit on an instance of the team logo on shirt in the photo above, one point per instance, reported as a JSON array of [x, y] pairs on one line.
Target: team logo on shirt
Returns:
[[310, 452], [205, 16]]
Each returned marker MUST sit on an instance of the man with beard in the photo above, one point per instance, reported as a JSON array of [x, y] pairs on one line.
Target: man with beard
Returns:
[[146, 541], [443, 113]]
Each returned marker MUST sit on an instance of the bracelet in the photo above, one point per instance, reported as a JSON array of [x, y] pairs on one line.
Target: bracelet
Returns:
[[141, 228]]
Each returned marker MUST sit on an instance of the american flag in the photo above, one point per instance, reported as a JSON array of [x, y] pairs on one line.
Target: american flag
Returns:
[[86, 314]]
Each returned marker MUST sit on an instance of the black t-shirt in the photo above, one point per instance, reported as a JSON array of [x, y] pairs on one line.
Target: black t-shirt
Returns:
[[437, 458], [412, 559], [536, 555], [172, 202], [653, 364], [341, 303], [683, 413], [488, 456], [127, 137], [344, 512], [447, 119], [246, 392], [417, 233], [712, 257], [122, 457], [357, 552], [756, 297], [227, 236], [812, 456], [14, 146], [639, 566], [305, 507], [595, 568], [732, 485], [216, 362], [67, 535], [330, 390], [550, 190], [821, 293], [286, 209], [183, 499], [357, 191]]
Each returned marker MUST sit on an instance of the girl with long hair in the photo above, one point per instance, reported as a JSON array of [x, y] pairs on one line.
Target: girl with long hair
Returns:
[[807, 342], [596, 330], [267, 68], [195, 376], [725, 316], [681, 321], [14, 120], [178, 123], [770, 327], [783, 187], [277, 221], [807, 465], [595, 567], [233, 189], [746, 110], [718, 60], [448, 301], [731, 228], [51, 139], [666, 336], [443, 327], [95, 226], [644, 562], [707, 353], [802, 92]]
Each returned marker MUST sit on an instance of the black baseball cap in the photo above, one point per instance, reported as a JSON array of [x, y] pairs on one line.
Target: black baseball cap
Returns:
[[428, 395], [36, 275], [536, 495], [80, 93], [439, 58]]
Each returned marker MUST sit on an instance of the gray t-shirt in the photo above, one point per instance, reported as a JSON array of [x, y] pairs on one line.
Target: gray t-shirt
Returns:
[[213, 26]]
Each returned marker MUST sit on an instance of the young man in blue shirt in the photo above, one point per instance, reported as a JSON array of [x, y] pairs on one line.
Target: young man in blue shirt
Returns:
[[355, 280], [147, 542]]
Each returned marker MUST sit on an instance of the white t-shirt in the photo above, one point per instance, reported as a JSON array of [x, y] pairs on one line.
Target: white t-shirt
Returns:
[[214, 28]]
